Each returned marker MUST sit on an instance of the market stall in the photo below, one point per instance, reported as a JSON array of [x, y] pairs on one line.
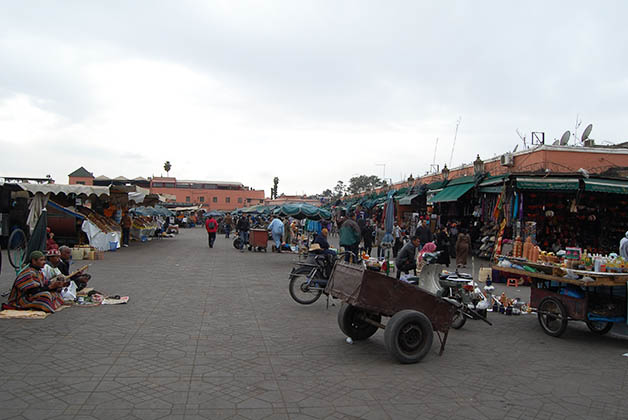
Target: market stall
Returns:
[[560, 295], [103, 233]]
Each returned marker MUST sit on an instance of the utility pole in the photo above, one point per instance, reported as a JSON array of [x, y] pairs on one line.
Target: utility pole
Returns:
[[451, 158]]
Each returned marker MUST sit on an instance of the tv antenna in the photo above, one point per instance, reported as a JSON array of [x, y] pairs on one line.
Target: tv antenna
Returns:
[[434, 166], [522, 137], [575, 130], [565, 138], [451, 158]]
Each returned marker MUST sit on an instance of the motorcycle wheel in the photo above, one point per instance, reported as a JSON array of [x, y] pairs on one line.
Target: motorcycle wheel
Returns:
[[300, 290], [459, 320]]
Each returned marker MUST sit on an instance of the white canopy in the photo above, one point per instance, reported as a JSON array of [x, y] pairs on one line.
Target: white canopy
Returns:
[[64, 189]]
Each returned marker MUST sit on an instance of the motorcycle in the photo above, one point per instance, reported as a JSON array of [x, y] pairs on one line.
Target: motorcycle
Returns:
[[310, 277], [456, 286]]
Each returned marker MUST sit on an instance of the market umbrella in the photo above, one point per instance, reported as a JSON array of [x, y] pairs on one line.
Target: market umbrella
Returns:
[[389, 221], [213, 213], [37, 242], [302, 211]]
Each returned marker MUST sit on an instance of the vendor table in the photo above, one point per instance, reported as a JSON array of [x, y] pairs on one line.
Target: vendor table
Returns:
[[598, 299]]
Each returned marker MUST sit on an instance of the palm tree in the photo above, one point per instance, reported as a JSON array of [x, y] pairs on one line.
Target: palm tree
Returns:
[[167, 167]]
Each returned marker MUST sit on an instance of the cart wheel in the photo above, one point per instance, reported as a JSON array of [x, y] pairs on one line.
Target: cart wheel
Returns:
[[408, 336], [236, 243], [552, 316], [351, 322], [16, 248], [458, 320], [300, 290], [599, 327], [265, 249]]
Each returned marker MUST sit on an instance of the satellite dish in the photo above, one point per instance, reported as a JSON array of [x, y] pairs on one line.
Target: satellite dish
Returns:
[[515, 149], [565, 138], [555, 143], [587, 132]]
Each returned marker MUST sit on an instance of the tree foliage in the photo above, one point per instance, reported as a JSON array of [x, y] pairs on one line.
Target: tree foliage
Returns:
[[167, 167], [340, 189], [364, 183]]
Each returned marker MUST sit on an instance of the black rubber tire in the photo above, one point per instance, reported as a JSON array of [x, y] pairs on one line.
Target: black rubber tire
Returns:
[[236, 243], [16, 248], [599, 327], [352, 324], [552, 316], [459, 320], [408, 336], [297, 280]]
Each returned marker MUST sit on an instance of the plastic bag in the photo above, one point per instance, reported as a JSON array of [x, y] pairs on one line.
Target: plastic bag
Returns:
[[69, 293]]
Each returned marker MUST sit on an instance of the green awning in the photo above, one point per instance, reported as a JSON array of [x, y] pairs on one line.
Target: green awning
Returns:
[[555, 184], [406, 200], [493, 189], [613, 186], [453, 193]]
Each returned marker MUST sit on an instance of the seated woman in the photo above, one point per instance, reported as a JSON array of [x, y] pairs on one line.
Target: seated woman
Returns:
[[32, 291]]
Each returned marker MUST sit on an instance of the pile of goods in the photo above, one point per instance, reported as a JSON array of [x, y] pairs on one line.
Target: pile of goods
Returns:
[[486, 243], [104, 224], [143, 222], [86, 252]]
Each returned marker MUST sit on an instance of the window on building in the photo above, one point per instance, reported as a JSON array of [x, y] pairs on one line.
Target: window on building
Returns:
[[201, 199], [239, 199], [187, 198], [158, 184], [80, 182], [214, 199], [227, 199]]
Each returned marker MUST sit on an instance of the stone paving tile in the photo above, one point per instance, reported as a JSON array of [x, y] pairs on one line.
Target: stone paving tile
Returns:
[[214, 334]]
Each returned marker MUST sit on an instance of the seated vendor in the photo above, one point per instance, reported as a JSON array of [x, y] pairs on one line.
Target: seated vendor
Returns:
[[321, 239], [51, 268], [65, 261], [406, 259], [31, 291]]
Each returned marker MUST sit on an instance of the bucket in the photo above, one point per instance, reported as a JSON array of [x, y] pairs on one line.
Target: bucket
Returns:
[[113, 246]]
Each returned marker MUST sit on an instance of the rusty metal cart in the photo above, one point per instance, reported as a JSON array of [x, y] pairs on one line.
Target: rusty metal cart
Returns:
[[258, 240], [599, 301], [415, 313]]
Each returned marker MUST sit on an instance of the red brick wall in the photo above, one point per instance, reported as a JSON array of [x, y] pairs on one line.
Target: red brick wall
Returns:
[[194, 194], [81, 180]]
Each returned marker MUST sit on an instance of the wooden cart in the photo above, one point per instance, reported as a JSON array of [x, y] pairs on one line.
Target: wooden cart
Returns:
[[258, 240], [598, 299], [415, 313]]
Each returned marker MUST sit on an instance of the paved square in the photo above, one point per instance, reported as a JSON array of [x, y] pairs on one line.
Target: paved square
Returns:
[[214, 334]]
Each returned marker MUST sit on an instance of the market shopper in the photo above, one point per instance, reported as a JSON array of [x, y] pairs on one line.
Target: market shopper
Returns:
[[379, 237], [276, 230], [243, 228], [287, 232], [623, 247], [398, 243], [211, 225], [31, 291], [463, 245], [367, 237], [406, 259], [126, 223], [350, 236], [423, 232], [228, 221], [442, 245]]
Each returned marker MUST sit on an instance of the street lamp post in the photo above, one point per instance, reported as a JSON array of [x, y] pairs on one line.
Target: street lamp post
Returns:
[[384, 165]]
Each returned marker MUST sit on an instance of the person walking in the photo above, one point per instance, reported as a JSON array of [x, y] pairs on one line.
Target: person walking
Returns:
[[442, 245], [463, 245], [350, 236], [126, 223], [243, 228], [424, 233], [276, 230], [379, 237], [228, 221], [287, 232], [212, 227], [398, 243]]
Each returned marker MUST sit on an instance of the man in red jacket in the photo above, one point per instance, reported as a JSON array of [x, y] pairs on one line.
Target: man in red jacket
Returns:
[[212, 227]]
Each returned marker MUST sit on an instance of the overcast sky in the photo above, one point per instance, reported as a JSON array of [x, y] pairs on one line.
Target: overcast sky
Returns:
[[309, 91]]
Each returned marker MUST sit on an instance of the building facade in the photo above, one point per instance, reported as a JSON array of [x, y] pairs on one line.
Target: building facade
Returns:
[[212, 195]]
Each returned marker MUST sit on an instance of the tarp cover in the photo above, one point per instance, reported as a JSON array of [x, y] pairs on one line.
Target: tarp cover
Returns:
[[613, 186], [64, 189], [407, 200], [98, 239]]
